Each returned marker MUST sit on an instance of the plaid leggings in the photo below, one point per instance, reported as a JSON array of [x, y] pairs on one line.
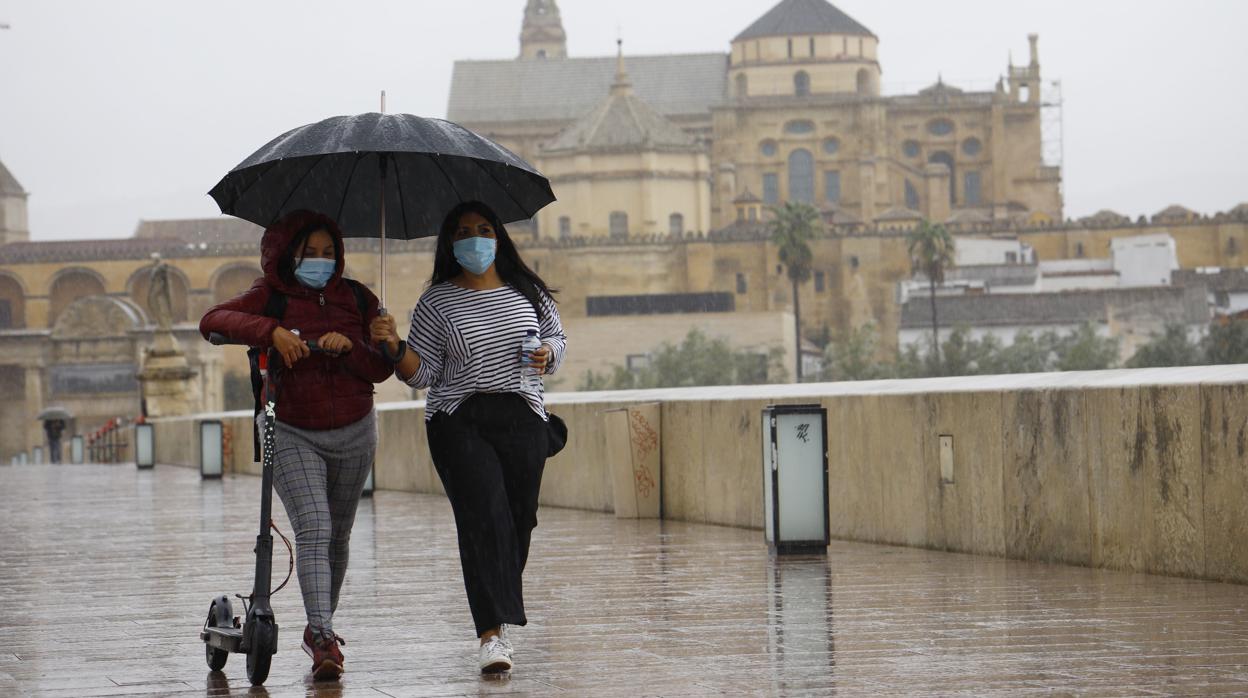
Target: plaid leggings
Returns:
[[319, 476]]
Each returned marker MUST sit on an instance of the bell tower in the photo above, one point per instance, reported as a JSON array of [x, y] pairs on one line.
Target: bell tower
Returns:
[[542, 34]]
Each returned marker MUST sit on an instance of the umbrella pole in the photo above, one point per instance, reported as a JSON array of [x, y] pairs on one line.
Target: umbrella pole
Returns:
[[383, 233], [383, 215]]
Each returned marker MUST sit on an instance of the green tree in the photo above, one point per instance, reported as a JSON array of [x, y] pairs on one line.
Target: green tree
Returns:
[[698, 360], [1226, 343], [931, 253], [966, 356], [1083, 350], [793, 226], [852, 357], [1171, 348], [1028, 354]]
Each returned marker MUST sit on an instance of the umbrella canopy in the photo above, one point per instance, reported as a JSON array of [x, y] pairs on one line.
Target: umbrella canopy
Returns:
[[53, 413], [341, 166]]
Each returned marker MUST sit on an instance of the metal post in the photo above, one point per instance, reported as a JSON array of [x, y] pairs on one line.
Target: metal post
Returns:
[[144, 446], [795, 478], [210, 449], [76, 450]]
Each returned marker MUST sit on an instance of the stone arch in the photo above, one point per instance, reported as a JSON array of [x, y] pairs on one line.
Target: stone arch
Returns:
[[97, 316], [232, 280], [12, 302], [179, 288], [68, 285]]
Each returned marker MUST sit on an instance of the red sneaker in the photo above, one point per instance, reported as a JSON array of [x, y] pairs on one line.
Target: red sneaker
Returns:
[[326, 657]]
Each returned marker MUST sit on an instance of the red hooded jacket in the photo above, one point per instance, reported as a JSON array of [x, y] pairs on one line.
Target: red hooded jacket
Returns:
[[319, 392]]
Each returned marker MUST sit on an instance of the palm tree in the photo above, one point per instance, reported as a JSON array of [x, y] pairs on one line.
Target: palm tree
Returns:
[[931, 252], [793, 225]]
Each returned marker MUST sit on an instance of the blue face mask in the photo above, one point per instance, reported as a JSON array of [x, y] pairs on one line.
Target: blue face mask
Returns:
[[475, 254], [315, 273]]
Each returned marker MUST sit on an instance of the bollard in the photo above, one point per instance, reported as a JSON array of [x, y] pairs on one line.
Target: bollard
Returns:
[[211, 459], [795, 478], [76, 450], [144, 446], [38, 455]]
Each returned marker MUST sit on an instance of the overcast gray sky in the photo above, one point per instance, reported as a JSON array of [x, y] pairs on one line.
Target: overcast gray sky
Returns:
[[115, 111]]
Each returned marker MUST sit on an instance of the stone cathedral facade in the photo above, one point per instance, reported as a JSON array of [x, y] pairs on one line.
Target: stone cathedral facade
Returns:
[[639, 145]]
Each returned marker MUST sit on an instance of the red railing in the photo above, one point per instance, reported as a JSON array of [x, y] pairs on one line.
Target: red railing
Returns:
[[108, 444]]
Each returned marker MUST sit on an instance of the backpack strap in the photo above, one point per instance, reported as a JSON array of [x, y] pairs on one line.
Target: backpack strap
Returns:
[[274, 307], [361, 300]]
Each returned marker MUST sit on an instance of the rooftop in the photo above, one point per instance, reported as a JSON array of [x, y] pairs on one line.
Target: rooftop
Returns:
[[803, 17], [563, 89]]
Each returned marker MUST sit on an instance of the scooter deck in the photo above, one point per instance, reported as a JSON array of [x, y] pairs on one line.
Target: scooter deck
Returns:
[[228, 639]]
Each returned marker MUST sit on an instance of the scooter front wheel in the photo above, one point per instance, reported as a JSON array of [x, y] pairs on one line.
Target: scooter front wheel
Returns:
[[263, 646]]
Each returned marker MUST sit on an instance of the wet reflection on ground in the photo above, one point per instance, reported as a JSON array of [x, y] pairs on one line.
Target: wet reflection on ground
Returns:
[[107, 573]]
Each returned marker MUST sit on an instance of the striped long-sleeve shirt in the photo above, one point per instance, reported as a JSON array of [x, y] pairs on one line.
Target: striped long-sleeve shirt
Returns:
[[469, 342]]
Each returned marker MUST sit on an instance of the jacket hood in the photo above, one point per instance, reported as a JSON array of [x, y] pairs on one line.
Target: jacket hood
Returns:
[[276, 243]]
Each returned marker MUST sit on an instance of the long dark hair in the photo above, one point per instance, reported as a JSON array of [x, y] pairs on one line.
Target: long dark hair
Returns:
[[513, 271]]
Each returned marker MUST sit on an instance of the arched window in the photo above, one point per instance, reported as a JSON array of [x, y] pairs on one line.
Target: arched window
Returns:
[[12, 303], [801, 84], [830, 146], [541, 53], [1232, 247], [565, 227], [790, 48], [912, 196], [972, 147], [1079, 250], [802, 176], [619, 224], [232, 281], [864, 81], [676, 225], [69, 286], [832, 186], [946, 159], [743, 85]]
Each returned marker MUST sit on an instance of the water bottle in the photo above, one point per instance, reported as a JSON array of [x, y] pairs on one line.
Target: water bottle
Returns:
[[530, 377]]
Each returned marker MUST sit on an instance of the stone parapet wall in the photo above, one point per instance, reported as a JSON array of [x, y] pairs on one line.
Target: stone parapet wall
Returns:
[[1139, 470]]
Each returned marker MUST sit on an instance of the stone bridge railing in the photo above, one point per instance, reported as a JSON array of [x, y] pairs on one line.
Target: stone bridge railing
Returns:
[[1143, 470]]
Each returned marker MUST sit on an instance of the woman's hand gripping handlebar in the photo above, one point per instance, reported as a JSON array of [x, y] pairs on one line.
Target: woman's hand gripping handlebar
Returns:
[[291, 347]]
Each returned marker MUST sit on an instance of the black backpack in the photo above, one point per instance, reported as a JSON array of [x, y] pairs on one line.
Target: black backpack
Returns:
[[275, 307]]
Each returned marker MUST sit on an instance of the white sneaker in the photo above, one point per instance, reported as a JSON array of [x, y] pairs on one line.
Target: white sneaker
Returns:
[[496, 655]]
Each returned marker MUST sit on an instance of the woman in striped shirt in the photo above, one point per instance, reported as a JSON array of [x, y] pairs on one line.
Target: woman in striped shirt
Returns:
[[487, 426]]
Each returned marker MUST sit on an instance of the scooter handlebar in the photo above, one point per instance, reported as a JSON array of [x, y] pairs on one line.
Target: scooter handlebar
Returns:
[[221, 340]]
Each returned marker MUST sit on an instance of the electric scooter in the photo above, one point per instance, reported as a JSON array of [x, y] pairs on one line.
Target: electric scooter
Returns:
[[256, 636]]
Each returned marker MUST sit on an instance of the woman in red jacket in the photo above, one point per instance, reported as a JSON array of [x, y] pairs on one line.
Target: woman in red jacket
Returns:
[[326, 429]]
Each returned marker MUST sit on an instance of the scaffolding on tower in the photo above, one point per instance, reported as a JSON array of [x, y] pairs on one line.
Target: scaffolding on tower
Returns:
[[1052, 127]]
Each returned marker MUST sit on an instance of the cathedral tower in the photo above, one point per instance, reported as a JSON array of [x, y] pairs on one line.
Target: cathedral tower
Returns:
[[542, 35]]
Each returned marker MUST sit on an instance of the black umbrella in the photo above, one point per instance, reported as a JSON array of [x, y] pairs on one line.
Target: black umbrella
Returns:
[[341, 166]]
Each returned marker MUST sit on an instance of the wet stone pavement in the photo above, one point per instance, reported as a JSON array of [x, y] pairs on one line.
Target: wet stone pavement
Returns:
[[106, 574]]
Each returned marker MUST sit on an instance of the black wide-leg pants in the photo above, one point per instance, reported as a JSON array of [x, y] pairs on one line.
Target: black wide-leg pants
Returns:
[[490, 454]]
